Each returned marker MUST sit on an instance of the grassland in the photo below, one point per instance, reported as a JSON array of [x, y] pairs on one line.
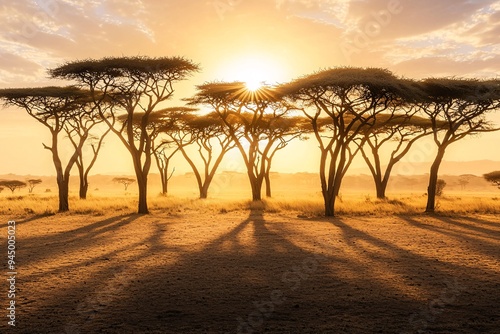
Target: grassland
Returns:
[[226, 266], [229, 265], [311, 206]]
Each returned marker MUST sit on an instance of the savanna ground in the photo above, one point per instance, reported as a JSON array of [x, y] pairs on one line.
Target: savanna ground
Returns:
[[229, 266]]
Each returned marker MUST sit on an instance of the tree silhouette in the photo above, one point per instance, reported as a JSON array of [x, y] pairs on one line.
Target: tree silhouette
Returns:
[[282, 131], [243, 113], [32, 183], [493, 177], [84, 127], [348, 99], [462, 105], [12, 184], [207, 135], [136, 85], [161, 124], [124, 180], [464, 180], [54, 107], [401, 130], [440, 187]]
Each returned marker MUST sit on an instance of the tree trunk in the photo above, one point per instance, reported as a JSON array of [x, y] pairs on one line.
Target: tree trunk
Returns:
[[164, 180], [164, 187], [63, 187], [204, 191], [268, 185], [256, 184], [380, 190], [84, 187], [142, 183], [84, 184], [433, 177], [329, 200], [381, 187]]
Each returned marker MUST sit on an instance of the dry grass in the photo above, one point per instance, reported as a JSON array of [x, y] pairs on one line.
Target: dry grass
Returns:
[[353, 204]]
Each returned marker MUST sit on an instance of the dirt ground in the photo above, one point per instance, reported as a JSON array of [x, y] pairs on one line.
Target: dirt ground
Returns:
[[253, 272]]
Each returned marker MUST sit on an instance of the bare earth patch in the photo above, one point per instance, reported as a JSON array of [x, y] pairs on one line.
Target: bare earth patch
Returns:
[[254, 272]]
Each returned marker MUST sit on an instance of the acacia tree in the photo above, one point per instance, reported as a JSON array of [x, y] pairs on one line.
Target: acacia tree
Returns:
[[163, 156], [401, 130], [32, 183], [80, 129], [160, 125], [242, 112], [493, 177], [12, 184], [207, 134], [126, 181], [281, 130], [53, 107], [457, 108], [168, 121], [464, 180], [135, 85], [440, 185], [350, 99]]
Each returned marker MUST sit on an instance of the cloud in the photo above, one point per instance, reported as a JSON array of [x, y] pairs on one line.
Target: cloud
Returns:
[[12, 62], [445, 67], [308, 34]]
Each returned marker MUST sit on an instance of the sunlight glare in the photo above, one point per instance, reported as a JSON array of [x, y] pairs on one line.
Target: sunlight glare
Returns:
[[255, 71]]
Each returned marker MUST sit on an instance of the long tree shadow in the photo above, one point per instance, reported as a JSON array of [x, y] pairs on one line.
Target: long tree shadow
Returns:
[[208, 290], [476, 237], [258, 277], [226, 288]]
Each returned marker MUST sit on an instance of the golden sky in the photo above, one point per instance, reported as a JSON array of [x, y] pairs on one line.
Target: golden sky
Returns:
[[265, 40]]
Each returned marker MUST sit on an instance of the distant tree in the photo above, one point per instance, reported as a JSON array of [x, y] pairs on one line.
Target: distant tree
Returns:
[[282, 131], [493, 177], [397, 129], [163, 155], [166, 122], [440, 187], [136, 85], [53, 107], [207, 135], [161, 124], [85, 127], [124, 180], [349, 100], [462, 105], [243, 112], [464, 180], [32, 183], [12, 184]]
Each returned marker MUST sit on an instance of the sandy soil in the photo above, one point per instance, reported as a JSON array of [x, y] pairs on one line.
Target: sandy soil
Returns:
[[249, 272]]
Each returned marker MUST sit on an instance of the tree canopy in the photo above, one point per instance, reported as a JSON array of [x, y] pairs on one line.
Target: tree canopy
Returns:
[[12, 184], [493, 177], [124, 67]]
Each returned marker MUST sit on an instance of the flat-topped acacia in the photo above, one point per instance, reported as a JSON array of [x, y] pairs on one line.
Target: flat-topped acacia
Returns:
[[124, 67], [137, 85], [234, 92], [46, 92], [375, 80]]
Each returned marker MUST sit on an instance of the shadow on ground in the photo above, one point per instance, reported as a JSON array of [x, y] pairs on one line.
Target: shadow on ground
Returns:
[[266, 275]]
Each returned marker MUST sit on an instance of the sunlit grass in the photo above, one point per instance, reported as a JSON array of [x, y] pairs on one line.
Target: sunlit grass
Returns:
[[353, 204]]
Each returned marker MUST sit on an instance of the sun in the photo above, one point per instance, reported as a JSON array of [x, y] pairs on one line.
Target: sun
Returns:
[[254, 70], [253, 84]]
